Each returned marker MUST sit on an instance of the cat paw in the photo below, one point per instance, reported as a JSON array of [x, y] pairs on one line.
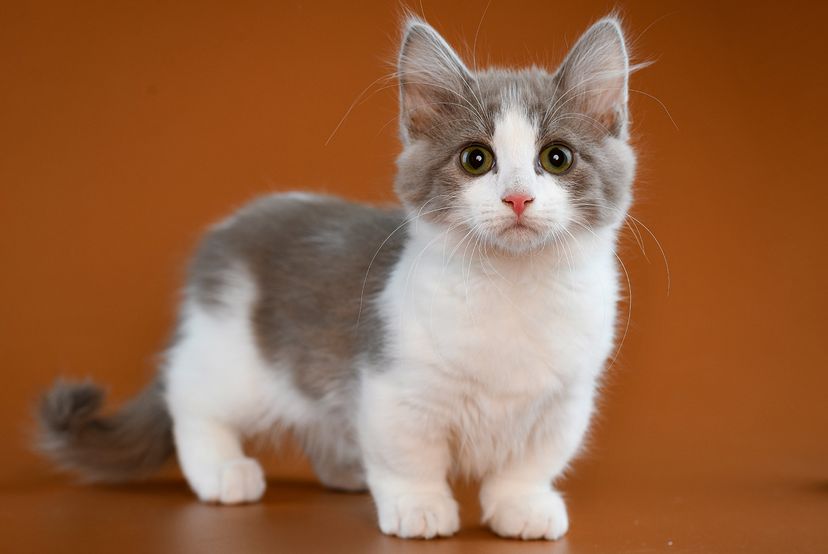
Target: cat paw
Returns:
[[240, 481], [539, 516], [234, 481], [419, 515]]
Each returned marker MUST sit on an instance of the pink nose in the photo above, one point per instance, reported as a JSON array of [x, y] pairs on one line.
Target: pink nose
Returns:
[[518, 202]]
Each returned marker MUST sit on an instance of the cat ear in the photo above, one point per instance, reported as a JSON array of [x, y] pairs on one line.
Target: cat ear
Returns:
[[433, 79], [593, 78]]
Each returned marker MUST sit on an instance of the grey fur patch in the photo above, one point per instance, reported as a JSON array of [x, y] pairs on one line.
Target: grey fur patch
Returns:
[[129, 444], [310, 258]]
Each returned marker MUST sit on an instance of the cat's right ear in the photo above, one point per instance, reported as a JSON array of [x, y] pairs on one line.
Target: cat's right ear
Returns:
[[433, 79], [595, 74]]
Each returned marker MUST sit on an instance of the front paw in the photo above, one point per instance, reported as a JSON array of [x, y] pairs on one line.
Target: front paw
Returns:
[[537, 516], [418, 515]]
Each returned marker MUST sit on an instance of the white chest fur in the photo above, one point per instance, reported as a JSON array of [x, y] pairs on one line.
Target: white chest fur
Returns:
[[513, 324], [490, 344]]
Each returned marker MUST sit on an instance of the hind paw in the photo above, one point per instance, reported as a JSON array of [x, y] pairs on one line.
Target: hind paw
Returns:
[[236, 481], [241, 481]]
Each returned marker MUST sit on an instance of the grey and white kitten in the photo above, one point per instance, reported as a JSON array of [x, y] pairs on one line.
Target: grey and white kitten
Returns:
[[462, 334]]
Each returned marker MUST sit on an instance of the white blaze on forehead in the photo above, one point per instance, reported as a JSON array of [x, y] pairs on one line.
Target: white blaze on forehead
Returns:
[[514, 142]]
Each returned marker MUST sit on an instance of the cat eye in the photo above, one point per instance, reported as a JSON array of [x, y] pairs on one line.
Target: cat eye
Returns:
[[556, 158], [476, 159]]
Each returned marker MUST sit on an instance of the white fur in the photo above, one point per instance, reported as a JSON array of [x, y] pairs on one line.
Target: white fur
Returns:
[[493, 364]]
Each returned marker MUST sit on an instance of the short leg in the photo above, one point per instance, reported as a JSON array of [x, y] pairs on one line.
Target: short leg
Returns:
[[333, 449], [406, 461], [518, 500], [214, 464], [348, 476], [336, 459]]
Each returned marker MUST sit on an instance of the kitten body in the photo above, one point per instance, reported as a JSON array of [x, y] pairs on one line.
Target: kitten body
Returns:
[[460, 335]]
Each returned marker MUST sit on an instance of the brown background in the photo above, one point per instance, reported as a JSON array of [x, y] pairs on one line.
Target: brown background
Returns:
[[125, 130]]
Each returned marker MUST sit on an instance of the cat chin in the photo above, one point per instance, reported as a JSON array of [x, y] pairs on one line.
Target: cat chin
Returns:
[[517, 242], [520, 239]]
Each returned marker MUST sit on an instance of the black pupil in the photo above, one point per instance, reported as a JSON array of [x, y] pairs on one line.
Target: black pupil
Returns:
[[557, 157], [476, 158]]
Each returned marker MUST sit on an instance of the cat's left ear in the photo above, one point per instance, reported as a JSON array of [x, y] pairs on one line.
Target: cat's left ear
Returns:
[[434, 81], [593, 78]]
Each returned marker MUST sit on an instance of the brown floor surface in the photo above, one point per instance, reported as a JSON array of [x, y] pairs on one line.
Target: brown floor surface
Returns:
[[126, 128], [609, 514]]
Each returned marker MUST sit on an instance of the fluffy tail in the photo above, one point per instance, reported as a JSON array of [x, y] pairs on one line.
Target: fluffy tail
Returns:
[[131, 443]]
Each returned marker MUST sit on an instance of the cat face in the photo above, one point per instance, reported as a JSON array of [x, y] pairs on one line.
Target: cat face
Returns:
[[516, 158]]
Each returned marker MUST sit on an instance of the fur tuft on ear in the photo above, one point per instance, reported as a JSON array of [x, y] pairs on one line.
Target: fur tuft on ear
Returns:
[[432, 78], [595, 74]]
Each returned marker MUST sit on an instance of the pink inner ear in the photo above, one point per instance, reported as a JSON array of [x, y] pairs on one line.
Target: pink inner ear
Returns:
[[429, 71], [610, 119], [597, 69], [420, 107], [607, 101]]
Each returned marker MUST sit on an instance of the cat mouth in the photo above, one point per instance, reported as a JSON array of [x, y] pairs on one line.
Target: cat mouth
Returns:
[[520, 227], [518, 234]]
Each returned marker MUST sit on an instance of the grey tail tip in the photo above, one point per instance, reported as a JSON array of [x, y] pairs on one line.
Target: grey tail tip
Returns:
[[68, 405], [131, 443]]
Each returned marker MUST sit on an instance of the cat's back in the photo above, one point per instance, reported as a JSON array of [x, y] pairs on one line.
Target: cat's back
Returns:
[[305, 238], [315, 263]]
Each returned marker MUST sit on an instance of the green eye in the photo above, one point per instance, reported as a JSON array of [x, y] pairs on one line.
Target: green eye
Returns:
[[556, 158], [476, 159]]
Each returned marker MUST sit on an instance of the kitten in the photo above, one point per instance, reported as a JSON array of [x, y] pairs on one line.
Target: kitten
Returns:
[[460, 335]]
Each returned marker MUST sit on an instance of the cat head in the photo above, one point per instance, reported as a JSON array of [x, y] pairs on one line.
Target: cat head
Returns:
[[521, 158]]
